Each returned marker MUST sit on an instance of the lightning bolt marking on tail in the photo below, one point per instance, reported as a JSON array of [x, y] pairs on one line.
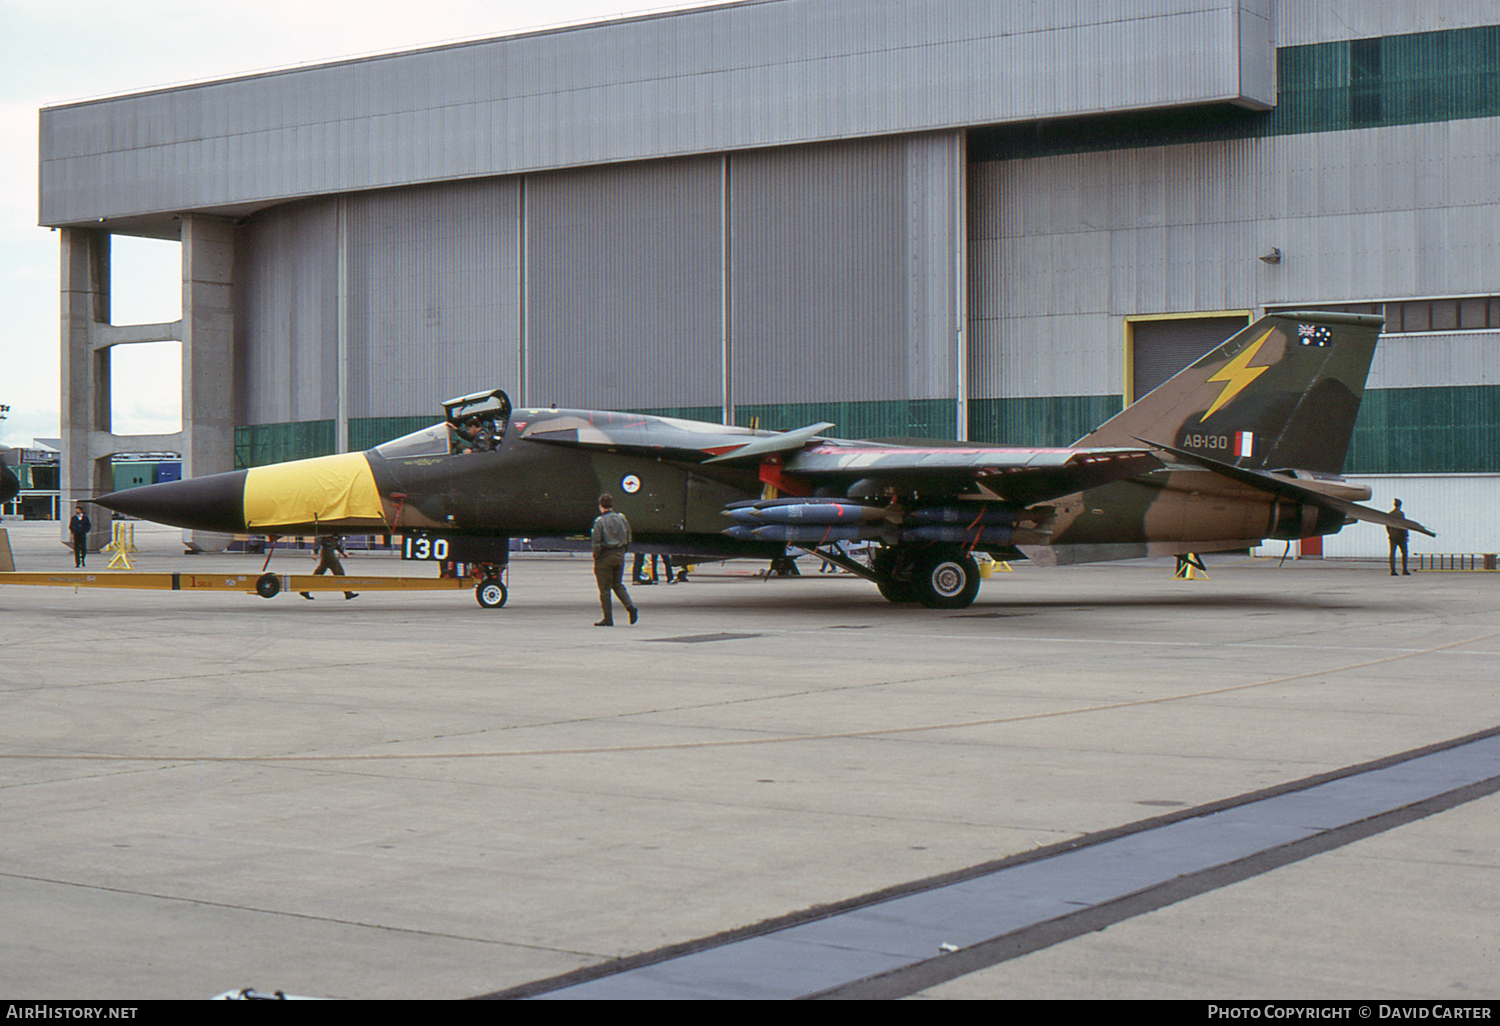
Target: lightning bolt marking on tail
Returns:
[[1236, 375]]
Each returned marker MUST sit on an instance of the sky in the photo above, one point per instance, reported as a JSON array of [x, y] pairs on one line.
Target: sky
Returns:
[[53, 52]]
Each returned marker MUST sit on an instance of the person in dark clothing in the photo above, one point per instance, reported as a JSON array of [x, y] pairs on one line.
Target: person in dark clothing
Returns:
[[1398, 541], [611, 536], [328, 549], [638, 575], [80, 526], [658, 559]]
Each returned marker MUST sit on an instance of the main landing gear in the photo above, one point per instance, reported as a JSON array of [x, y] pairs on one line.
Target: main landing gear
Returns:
[[936, 576]]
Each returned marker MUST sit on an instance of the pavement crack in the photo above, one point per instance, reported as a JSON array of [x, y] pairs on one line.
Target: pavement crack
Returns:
[[335, 920]]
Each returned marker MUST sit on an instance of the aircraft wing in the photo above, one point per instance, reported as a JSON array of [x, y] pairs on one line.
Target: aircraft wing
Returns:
[[1018, 475], [1289, 489], [641, 434]]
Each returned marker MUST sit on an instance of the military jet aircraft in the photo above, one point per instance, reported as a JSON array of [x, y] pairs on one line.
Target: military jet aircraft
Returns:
[[1243, 445]]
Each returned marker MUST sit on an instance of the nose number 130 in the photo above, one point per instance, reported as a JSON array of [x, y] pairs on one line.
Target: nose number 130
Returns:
[[424, 548]]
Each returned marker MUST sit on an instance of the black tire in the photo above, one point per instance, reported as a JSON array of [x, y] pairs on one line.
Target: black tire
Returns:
[[946, 580], [897, 591], [268, 586], [490, 594]]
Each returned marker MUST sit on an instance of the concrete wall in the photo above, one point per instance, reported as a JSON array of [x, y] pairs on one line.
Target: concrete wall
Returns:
[[758, 74]]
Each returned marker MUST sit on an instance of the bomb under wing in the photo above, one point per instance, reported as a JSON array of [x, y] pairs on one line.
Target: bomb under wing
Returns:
[[1244, 444]]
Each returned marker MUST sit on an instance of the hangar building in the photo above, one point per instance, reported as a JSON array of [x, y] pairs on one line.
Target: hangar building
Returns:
[[924, 218]]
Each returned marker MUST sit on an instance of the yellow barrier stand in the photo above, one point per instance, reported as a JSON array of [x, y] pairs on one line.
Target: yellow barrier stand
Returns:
[[1190, 568], [122, 544]]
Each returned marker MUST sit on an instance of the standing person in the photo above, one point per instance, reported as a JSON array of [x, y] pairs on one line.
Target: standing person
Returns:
[[79, 527], [638, 575], [328, 548], [1398, 541], [611, 536]]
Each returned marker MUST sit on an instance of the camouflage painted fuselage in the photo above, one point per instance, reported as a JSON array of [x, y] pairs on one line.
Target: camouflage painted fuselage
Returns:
[[1177, 510], [531, 488]]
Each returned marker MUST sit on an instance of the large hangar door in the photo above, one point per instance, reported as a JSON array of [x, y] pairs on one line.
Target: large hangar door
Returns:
[[625, 288], [1160, 347], [846, 285]]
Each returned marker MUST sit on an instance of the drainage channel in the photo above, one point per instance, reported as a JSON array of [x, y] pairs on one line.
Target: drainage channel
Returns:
[[899, 942]]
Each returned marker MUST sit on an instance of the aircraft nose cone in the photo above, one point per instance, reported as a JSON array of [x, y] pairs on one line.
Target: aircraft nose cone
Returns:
[[212, 503], [324, 490]]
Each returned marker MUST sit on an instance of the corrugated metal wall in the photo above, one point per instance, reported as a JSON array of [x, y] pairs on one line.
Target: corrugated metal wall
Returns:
[[1064, 247], [1298, 23], [843, 272], [433, 295], [625, 286], [842, 278], [1437, 359], [286, 312]]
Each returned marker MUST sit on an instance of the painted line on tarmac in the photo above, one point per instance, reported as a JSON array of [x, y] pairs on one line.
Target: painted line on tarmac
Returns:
[[744, 741], [906, 939]]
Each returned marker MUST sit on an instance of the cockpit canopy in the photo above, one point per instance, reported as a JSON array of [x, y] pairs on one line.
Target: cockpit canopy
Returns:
[[430, 441], [475, 423], [490, 405]]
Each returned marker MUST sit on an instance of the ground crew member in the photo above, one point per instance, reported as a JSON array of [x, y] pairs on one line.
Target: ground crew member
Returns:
[[1398, 541], [79, 527], [611, 536], [327, 548]]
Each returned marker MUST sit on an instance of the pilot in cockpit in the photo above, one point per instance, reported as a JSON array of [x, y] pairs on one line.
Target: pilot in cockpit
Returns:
[[462, 437], [477, 430]]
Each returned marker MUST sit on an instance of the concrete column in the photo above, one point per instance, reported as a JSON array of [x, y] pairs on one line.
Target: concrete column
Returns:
[[89, 441], [207, 353], [85, 376]]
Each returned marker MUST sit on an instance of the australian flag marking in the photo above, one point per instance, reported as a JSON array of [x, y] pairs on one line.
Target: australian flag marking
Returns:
[[1314, 335]]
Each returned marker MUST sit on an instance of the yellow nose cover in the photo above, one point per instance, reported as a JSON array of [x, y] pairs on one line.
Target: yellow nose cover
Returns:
[[317, 491]]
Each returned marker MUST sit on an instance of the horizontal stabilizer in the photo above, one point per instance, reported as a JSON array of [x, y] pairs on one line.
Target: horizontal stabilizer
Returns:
[[1289, 489]]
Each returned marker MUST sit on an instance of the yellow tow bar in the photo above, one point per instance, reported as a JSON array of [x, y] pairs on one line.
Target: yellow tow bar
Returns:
[[266, 585]]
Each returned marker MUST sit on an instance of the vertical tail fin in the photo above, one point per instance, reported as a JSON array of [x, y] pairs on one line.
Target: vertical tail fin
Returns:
[[1282, 393]]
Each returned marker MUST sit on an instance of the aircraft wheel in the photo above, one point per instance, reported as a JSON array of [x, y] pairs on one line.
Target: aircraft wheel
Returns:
[[948, 581], [491, 593], [268, 586]]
